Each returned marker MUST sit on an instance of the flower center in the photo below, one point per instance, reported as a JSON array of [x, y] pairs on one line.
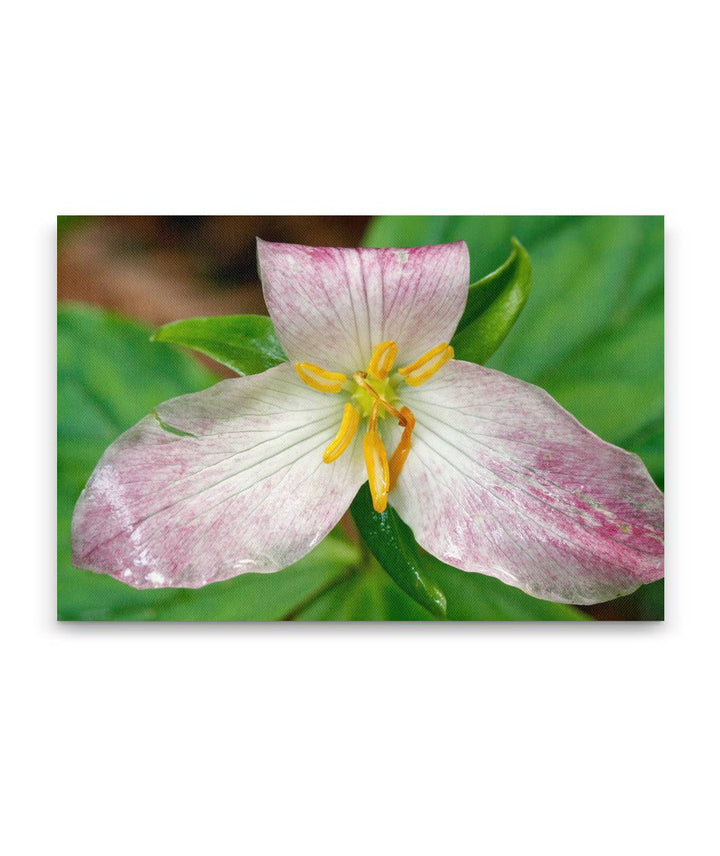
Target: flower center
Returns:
[[367, 393], [373, 394]]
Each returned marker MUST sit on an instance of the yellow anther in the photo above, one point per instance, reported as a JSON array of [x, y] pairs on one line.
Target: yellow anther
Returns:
[[376, 463], [319, 378], [425, 367], [399, 456], [382, 360], [345, 433]]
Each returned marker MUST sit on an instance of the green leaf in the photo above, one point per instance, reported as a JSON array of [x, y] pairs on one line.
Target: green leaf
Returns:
[[442, 590], [494, 304], [397, 554], [366, 594], [476, 597], [245, 343]]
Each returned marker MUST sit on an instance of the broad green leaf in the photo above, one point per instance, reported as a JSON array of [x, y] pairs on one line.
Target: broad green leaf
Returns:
[[476, 597], [245, 343], [366, 594], [109, 376], [445, 591], [488, 238], [494, 304], [397, 554]]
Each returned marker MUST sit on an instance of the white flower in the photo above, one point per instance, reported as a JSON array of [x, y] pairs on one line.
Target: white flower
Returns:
[[489, 472]]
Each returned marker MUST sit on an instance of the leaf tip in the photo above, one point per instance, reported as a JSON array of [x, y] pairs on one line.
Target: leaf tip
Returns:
[[440, 602]]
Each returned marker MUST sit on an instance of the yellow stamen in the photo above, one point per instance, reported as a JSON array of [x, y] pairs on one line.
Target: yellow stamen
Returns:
[[319, 378], [360, 380], [425, 367], [376, 463], [382, 360], [399, 456], [348, 427], [372, 424]]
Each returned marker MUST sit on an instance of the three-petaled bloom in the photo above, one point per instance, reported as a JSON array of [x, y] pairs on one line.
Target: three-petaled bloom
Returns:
[[490, 473]]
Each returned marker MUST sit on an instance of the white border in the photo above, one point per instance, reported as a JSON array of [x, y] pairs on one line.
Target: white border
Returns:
[[347, 739]]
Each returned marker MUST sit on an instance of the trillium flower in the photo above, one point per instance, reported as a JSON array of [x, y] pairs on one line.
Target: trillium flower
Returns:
[[490, 473]]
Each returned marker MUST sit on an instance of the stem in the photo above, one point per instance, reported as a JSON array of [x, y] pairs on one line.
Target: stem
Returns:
[[293, 613]]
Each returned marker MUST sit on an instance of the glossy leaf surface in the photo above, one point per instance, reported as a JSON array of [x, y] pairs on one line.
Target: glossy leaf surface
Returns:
[[397, 554], [494, 304], [245, 343]]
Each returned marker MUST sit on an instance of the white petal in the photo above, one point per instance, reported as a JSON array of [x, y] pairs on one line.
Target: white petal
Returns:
[[242, 488], [331, 306], [501, 480]]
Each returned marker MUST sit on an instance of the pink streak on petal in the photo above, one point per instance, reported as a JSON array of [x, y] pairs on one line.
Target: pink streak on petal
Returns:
[[248, 492], [501, 480], [332, 306]]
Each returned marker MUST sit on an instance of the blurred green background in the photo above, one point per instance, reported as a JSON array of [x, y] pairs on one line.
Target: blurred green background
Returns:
[[591, 334]]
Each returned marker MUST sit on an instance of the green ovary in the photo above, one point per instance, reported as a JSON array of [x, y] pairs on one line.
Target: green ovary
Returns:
[[364, 400]]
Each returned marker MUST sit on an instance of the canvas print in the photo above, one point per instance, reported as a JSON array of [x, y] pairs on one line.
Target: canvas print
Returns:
[[395, 418]]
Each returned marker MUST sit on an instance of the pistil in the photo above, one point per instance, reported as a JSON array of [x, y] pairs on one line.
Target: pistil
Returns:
[[360, 379]]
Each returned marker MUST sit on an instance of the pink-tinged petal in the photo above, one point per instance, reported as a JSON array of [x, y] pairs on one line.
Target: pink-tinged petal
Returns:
[[219, 483], [501, 480], [331, 306]]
